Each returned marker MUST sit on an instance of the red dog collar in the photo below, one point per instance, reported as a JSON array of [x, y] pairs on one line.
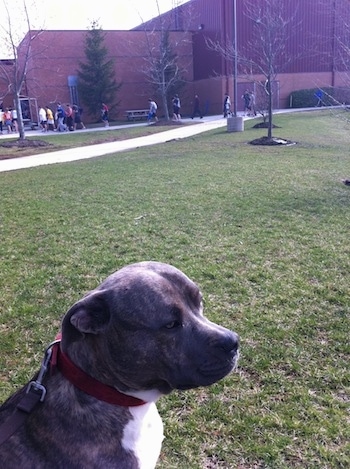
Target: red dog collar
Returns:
[[88, 384]]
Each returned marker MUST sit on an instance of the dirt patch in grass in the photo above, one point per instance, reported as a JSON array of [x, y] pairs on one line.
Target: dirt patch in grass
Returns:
[[22, 145], [25, 143]]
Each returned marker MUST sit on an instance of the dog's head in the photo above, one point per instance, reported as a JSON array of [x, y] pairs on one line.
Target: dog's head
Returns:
[[143, 329]]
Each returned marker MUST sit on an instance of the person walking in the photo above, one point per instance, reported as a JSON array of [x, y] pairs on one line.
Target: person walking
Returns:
[[50, 119], [43, 119], [246, 99], [227, 105], [1, 119], [196, 108], [152, 113], [14, 119], [319, 97], [252, 103], [77, 117], [104, 114], [69, 117], [176, 108], [61, 126], [8, 120]]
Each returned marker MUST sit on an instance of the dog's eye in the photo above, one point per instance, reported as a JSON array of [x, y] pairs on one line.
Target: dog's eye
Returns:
[[173, 325]]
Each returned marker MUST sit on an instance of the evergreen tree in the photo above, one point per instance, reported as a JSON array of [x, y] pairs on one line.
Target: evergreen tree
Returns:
[[96, 77]]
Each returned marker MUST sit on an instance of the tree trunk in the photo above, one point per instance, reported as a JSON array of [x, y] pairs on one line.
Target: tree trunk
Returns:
[[20, 122], [165, 106], [269, 90], [164, 98]]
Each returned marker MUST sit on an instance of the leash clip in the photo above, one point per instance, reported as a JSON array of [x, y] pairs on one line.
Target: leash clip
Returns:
[[34, 393], [37, 385]]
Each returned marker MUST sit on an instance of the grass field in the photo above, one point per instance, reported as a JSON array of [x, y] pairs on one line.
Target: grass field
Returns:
[[264, 231]]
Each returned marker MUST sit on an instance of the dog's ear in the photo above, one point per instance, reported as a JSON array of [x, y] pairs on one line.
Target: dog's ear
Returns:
[[91, 314]]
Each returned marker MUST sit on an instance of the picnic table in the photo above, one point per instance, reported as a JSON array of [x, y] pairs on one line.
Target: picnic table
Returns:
[[136, 114]]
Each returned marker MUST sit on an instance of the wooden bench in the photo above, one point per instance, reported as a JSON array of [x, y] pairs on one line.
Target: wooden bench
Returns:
[[137, 114]]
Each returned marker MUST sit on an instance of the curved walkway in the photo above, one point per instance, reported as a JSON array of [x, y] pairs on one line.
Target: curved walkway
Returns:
[[91, 151]]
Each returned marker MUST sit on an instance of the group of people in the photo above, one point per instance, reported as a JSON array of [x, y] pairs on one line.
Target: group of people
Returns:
[[65, 118], [68, 117], [249, 104], [8, 120], [176, 103], [248, 98]]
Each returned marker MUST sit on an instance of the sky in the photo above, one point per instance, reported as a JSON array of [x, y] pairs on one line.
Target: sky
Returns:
[[77, 14]]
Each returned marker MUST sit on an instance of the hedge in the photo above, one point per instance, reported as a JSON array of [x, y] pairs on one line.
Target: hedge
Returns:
[[330, 97]]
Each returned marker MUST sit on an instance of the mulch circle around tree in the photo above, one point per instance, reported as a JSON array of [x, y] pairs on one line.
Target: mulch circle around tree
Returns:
[[25, 144], [21, 145], [264, 125], [271, 141]]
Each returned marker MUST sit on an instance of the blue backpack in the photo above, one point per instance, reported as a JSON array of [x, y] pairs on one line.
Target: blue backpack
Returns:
[[60, 112]]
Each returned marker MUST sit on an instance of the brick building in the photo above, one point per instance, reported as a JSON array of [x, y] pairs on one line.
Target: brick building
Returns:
[[314, 53], [55, 56]]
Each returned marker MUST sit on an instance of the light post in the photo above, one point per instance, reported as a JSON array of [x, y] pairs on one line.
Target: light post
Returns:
[[235, 123], [235, 97]]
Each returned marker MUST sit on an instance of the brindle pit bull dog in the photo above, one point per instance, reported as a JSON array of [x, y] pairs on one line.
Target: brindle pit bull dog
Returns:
[[137, 336]]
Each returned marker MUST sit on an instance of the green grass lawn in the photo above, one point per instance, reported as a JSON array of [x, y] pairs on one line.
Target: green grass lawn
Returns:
[[264, 231]]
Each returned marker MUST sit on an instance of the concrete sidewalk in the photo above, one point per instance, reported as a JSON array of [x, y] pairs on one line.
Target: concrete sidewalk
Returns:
[[91, 151]]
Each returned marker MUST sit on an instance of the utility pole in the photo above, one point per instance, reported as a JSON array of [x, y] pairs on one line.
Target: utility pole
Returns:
[[235, 123], [235, 58]]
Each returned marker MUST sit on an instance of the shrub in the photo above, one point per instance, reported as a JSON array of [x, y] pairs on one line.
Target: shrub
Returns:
[[331, 97]]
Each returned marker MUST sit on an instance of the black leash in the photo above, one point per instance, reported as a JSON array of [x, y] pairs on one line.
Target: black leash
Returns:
[[34, 394]]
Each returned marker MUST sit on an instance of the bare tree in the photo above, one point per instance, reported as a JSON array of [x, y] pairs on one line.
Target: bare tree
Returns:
[[341, 31], [163, 71], [265, 54], [163, 68], [271, 29], [338, 55], [15, 75]]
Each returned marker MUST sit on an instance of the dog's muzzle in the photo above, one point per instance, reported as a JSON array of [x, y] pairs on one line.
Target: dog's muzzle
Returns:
[[217, 359]]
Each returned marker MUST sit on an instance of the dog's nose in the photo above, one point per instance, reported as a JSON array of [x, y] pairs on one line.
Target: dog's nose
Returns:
[[230, 342]]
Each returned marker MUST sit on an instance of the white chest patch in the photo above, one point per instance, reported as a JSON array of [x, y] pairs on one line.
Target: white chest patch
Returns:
[[144, 435]]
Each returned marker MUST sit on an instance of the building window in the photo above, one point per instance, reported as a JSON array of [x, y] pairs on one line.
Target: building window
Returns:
[[73, 89]]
